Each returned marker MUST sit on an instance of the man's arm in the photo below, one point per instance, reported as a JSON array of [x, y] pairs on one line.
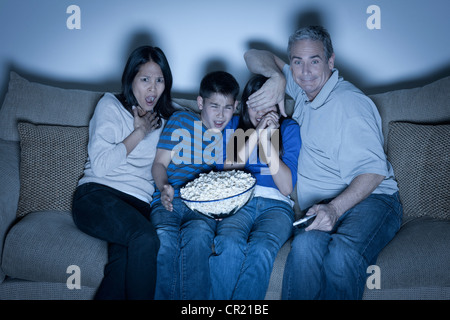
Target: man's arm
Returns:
[[272, 92], [358, 190], [159, 172]]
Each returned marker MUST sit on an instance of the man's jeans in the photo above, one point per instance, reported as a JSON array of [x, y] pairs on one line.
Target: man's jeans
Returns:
[[333, 265], [124, 222], [186, 239], [246, 246]]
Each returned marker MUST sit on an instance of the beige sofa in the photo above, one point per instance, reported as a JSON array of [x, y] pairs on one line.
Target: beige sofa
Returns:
[[43, 137]]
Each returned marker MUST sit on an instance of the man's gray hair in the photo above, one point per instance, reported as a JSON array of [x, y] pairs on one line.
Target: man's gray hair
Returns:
[[315, 33]]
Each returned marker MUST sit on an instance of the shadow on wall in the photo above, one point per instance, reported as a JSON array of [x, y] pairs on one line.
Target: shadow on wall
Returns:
[[312, 17], [143, 37]]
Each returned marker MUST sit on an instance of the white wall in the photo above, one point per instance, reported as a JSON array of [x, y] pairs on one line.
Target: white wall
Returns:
[[201, 35]]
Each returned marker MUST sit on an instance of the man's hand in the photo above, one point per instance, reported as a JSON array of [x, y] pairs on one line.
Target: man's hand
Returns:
[[326, 217], [270, 94]]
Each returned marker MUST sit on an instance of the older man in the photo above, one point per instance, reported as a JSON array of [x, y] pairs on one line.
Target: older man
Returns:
[[343, 175]]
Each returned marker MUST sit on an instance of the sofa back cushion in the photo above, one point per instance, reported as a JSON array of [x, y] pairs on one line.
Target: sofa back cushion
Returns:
[[39, 103], [427, 104]]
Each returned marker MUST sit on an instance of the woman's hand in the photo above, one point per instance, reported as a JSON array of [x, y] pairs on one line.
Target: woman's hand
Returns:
[[145, 121]]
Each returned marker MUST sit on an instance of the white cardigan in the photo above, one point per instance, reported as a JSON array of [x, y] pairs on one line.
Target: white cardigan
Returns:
[[108, 163]]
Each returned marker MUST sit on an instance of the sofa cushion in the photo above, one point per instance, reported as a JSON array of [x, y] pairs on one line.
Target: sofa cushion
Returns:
[[42, 245], [39, 103], [427, 104], [417, 257], [420, 155], [52, 161]]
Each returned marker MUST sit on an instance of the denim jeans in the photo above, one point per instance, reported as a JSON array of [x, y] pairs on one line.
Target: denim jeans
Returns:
[[333, 265], [186, 239], [124, 222], [245, 248]]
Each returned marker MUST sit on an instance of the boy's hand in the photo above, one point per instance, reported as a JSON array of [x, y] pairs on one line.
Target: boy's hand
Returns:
[[167, 194]]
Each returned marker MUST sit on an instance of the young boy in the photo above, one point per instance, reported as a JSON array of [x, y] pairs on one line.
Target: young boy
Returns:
[[186, 237]]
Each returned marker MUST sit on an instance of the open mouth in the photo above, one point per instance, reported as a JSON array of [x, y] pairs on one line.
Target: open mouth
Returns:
[[150, 100], [218, 124]]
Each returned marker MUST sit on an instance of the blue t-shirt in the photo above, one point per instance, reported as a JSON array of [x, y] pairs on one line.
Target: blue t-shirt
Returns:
[[290, 134], [195, 149]]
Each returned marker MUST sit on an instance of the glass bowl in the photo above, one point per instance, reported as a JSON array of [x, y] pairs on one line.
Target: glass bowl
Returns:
[[221, 208]]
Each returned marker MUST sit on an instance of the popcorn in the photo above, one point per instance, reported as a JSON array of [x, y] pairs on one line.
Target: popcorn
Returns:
[[218, 194]]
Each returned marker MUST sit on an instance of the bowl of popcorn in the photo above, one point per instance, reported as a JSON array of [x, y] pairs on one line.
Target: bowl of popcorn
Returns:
[[218, 194]]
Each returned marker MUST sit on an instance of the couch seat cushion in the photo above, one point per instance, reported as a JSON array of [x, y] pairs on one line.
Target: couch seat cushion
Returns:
[[418, 256], [42, 245]]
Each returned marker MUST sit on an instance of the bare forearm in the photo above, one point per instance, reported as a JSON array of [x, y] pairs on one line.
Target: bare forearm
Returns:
[[280, 172], [159, 173], [263, 62], [359, 189], [133, 139]]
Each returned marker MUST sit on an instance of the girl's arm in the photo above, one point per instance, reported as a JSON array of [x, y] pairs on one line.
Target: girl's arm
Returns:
[[280, 172]]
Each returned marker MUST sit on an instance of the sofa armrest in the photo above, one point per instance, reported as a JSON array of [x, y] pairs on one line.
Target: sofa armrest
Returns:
[[9, 189]]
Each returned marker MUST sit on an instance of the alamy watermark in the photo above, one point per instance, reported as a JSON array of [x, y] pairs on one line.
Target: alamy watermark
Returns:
[[188, 151], [74, 20], [74, 280]]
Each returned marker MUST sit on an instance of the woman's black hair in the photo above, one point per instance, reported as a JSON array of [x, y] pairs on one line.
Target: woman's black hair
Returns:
[[253, 85], [139, 57]]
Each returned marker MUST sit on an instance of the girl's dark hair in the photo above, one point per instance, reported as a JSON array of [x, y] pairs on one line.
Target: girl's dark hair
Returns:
[[253, 85], [139, 57]]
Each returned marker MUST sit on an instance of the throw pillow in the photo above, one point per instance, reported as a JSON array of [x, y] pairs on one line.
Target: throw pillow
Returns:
[[52, 159], [420, 155]]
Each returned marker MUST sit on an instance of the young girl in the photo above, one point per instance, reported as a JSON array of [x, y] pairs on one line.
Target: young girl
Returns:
[[112, 200], [247, 243]]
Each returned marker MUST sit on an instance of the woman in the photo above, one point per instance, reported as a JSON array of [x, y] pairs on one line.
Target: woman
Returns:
[[246, 243], [112, 200]]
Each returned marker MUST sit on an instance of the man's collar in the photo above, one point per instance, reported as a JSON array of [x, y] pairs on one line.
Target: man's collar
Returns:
[[322, 96]]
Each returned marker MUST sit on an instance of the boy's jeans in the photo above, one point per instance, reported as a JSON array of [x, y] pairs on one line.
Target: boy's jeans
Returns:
[[246, 246], [186, 240], [333, 265]]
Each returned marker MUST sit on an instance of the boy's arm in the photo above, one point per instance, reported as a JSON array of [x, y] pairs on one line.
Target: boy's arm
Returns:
[[272, 92], [159, 172]]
